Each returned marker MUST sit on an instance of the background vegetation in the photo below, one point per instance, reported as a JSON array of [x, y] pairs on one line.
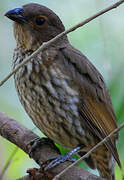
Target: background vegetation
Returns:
[[102, 41]]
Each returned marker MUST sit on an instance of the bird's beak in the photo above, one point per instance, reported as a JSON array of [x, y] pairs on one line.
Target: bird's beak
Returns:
[[16, 15]]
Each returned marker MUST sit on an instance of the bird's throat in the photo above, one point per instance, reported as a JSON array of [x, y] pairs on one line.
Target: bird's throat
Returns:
[[24, 38]]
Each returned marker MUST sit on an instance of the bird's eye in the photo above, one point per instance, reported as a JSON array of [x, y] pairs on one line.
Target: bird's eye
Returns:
[[40, 20]]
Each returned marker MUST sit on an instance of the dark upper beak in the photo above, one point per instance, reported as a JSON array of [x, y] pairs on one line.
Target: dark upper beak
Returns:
[[16, 15]]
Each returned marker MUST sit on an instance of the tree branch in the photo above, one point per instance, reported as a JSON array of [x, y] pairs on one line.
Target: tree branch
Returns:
[[48, 44], [21, 136]]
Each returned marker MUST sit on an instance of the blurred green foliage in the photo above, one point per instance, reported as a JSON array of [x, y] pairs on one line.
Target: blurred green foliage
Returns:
[[102, 40]]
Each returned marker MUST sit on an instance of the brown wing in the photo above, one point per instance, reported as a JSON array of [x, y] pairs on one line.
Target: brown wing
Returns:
[[95, 104]]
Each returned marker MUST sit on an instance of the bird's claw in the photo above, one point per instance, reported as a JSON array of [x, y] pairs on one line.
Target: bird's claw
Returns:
[[58, 160], [38, 142], [34, 144]]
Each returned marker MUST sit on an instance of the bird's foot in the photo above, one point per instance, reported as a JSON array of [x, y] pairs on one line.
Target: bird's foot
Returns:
[[38, 142], [60, 159], [53, 162]]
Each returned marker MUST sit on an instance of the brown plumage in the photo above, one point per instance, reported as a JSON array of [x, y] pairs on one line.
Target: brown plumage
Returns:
[[62, 92]]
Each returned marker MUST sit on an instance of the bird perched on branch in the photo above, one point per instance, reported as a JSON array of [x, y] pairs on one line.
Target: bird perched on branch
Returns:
[[60, 89]]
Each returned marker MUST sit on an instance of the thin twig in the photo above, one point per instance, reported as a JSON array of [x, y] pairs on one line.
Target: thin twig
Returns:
[[89, 152], [48, 44], [8, 163]]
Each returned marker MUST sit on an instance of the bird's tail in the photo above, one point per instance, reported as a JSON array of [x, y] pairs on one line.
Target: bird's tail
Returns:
[[103, 161]]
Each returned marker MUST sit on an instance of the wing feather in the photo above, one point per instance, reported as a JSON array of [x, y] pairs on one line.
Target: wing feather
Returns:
[[95, 103]]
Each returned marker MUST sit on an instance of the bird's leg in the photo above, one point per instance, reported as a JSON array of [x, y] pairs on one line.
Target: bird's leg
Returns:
[[38, 142], [60, 159]]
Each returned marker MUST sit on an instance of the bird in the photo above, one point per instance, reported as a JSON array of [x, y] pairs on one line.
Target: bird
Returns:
[[61, 90]]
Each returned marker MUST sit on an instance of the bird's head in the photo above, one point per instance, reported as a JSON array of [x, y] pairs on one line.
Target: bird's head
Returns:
[[35, 24]]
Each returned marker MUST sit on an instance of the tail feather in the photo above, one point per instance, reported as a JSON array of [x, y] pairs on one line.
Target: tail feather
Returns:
[[88, 160], [102, 160], [105, 162]]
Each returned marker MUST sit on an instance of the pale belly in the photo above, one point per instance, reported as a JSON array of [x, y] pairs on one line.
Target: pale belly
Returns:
[[52, 105]]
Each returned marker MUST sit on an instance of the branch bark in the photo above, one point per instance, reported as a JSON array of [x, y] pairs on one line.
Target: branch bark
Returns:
[[16, 133]]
